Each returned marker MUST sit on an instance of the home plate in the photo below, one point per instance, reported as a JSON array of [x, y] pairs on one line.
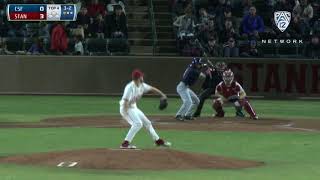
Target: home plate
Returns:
[[119, 149]]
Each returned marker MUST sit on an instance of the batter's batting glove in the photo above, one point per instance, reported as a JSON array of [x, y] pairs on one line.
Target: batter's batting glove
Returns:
[[163, 103], [233, 98]]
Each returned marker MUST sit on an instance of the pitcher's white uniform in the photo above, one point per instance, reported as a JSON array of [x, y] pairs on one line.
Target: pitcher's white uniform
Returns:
[[134, 116]]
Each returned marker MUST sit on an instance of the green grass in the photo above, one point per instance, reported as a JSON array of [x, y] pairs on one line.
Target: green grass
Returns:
[[288, 156], [35, 108]]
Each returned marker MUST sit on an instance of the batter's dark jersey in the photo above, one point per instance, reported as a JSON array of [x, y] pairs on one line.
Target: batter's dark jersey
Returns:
[[191, 75]]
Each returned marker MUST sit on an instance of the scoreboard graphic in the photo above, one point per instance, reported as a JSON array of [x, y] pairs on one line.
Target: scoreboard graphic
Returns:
[[41, 12]]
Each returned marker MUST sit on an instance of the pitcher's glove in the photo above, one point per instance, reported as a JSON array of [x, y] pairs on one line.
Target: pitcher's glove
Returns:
[[233, 98], [163, 103]]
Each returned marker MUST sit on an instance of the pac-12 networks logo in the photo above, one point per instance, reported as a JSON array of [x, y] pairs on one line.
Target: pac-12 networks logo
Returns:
[[282, 20]]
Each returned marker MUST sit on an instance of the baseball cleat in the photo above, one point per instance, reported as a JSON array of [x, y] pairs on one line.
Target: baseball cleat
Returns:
[[127, 145], [162, 143], [196, 114], [255, 118], [240, 114], [179, 118]]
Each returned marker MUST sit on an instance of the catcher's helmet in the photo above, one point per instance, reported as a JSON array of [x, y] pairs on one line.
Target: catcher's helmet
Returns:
[[228, 77]]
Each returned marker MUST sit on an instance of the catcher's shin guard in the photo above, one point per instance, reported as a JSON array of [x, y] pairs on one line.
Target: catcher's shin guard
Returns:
[[247, 106], [217, 106]]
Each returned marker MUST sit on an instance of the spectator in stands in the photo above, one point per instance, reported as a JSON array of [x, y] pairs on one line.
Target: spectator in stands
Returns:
[[221, 7], [220, 10], [313, 48], [112, 4], [246, 4], [284, 5], [316, 27], [44, 28], [230, 49], [59, 41], [32, 29], [37, 47], [95, 8], [78, 46], [213, 48], [83, 20], [16, 29], [98, 27], [3, 47], [298, 28], [3, 28], [204, 16], [117, 24], [251, 50], [304, 10], [252, 24], [228, 31], [206, 30], [185, 24], [178, 8]]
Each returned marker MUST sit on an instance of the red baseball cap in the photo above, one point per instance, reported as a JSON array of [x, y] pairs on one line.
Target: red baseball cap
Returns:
[[136, 74]]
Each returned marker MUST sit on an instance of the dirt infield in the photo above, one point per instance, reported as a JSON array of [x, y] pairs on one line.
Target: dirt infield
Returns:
[[166, 122], [116, 159]]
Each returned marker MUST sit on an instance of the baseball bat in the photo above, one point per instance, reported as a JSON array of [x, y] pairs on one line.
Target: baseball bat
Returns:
[[204, 53]]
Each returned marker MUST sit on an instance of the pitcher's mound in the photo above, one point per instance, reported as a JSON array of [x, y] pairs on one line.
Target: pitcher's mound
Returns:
[[150, 159]]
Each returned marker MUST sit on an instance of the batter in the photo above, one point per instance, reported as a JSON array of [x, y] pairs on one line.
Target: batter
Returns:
[[189, 98]]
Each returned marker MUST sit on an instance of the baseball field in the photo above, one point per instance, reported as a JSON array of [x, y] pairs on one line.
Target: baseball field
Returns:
[[41, 136]]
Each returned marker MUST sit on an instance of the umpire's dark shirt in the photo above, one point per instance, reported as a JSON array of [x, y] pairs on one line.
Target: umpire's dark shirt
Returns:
[[213, 81]]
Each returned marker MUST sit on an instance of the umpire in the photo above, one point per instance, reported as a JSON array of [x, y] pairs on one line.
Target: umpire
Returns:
[[213, 78]]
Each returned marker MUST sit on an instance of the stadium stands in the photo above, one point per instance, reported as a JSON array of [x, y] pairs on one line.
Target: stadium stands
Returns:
[[150, 27]]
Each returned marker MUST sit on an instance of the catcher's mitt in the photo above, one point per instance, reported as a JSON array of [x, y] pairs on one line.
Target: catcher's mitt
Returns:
[[163, 103]]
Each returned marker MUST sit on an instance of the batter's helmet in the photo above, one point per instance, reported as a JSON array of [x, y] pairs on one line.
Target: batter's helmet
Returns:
[[196, 61]]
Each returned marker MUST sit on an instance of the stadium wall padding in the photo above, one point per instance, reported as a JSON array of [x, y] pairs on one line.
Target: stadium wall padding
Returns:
[[108, 75]]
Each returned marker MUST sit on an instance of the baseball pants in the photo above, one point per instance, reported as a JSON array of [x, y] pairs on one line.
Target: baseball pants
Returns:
[[189, 98], [136, 118], [203, 96]]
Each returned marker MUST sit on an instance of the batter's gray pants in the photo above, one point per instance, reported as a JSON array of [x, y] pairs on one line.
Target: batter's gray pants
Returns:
[[189, 98]]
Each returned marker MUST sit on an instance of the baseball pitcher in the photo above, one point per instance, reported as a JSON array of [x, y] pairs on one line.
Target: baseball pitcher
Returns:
[[133, 115]]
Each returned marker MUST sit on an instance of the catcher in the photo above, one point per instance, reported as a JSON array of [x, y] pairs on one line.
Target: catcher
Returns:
[[230, 91]]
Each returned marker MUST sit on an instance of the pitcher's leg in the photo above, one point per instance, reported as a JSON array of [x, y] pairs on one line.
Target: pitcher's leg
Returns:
[[148, 125], [133, 119]]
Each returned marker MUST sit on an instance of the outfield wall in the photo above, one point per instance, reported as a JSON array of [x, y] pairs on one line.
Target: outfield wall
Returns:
[[108, 75]]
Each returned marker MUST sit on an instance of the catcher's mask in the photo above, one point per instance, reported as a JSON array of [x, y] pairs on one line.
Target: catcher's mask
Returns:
[[228, 77]]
